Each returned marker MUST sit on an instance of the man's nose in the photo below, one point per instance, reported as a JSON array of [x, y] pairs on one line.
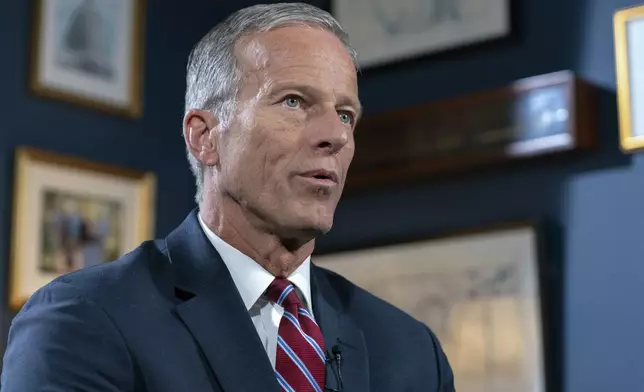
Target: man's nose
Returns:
[[330, 134]]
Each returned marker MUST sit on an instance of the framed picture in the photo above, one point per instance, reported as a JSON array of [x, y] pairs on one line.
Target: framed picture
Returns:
[[479, 292], [70, 213], [629, 61], [532, 118], [384, 31], [89, 52]]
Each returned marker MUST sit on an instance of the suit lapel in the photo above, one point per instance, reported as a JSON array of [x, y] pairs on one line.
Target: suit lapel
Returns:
[[215, 314], [339, 329]]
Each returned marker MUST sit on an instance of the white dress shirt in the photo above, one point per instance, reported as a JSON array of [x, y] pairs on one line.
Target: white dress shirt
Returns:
[[252, 280]]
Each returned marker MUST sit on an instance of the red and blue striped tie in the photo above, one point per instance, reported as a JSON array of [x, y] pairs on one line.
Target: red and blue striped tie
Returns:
[[300, 359]]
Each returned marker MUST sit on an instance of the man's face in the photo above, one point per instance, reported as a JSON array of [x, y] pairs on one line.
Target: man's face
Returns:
[[287, 150]]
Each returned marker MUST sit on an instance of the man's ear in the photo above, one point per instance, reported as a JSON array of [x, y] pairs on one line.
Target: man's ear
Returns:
[[198, 129]]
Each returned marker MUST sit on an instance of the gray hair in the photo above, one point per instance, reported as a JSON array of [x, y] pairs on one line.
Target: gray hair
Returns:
[[213, 77]]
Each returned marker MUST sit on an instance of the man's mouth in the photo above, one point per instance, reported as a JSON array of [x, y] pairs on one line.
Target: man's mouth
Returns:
[[321, 177]]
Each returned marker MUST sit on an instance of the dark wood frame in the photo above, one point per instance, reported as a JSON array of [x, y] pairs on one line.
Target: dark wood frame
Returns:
[[383, 132]]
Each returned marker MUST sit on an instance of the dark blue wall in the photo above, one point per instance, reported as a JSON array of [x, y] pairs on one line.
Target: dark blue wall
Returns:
[[152, 143], [593, 206]]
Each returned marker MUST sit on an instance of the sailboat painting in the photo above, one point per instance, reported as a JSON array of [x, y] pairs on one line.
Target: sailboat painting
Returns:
[[89, 52], [386, 31]]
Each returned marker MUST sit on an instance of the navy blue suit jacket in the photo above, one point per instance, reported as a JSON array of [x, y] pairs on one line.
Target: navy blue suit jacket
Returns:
[[167, 317]]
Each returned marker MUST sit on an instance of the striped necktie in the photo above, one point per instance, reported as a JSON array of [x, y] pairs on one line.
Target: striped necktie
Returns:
[[300, 359]]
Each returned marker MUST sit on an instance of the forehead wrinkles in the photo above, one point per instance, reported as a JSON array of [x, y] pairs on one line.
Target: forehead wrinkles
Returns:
[[287, 46], [265, 60]]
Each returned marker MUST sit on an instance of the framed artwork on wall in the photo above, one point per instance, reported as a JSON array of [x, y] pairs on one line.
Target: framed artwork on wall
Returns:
[[629, 62], [384, 31], [479, 292], [89, 52], [532, 118], [70, 213]]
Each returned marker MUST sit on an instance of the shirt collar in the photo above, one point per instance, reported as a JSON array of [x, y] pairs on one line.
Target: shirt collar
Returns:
[[252, 279]]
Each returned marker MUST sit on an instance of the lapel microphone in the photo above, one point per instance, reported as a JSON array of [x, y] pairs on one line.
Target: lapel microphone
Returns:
[[337, 359]]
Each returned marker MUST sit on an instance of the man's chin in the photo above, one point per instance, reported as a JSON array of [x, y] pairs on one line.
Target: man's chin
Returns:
[[314, 230], [307, 228], [320, 224]]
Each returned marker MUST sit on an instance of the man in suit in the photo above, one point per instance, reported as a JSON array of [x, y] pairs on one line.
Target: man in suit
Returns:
[[229, 301]]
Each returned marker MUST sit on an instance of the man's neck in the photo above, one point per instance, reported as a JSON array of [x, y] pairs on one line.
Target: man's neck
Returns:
[[232, 225]]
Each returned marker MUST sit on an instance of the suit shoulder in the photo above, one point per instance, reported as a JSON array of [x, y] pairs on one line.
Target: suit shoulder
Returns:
[[108, 278], [407, 339]]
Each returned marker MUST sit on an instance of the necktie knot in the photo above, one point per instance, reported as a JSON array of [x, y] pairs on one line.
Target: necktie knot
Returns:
[[282, 292]]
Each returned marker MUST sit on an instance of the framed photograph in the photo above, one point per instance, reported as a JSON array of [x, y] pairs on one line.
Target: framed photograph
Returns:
[[629, 61], [69, 213], [479, 292], [90, 52], [384, 31]]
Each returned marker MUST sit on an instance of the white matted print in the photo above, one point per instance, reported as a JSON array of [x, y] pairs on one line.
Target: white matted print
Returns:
[[629, 56], [478, 292], [71, 214], [384, 31], [90, 52]]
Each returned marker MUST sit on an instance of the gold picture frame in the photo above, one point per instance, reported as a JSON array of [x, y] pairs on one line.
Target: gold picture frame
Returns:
[[89, 53], [628, 26], [70, 213]]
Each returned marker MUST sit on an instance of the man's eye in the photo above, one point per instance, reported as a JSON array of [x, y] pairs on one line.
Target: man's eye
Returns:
[[292, 101], [346, 118]]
